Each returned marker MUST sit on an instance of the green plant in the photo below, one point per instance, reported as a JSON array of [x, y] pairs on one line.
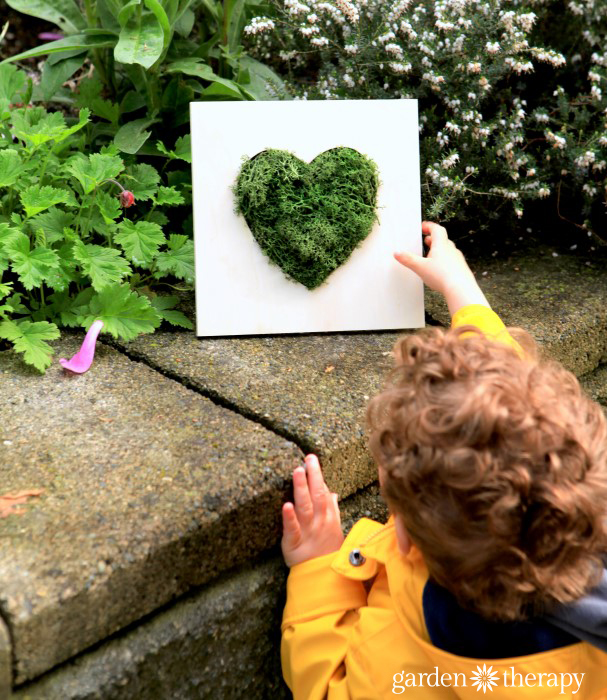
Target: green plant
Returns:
[[308, 218], [151, 59], [69, 253]]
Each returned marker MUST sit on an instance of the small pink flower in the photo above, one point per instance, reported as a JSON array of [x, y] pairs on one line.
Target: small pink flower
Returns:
[[127, 198], [83, 359]]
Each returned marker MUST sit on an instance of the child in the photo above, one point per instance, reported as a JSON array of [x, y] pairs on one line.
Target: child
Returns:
[[494, 467]]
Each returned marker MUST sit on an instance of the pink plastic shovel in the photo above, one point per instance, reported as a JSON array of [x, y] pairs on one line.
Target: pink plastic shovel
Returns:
[[83, 359]]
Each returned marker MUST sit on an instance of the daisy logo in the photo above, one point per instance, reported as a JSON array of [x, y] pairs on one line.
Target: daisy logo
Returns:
[[484, 678]]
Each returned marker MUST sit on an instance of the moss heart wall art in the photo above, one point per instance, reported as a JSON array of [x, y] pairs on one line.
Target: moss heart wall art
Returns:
[[308, 217], [299, 206]]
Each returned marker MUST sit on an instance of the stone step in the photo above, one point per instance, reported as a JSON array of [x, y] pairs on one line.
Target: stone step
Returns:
[[149, 490], [221, 641], [595, 384]]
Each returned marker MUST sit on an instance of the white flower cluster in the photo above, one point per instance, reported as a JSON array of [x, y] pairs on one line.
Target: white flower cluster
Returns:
[[457, 54], [554, 58], [557, 141], [400, 68], [450, 161], [309, 31], [585, 159], [394, 50], [349, 10], [295, 8], [259, 25]]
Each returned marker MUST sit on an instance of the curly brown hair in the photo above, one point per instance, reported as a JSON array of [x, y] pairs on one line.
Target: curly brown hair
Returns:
[[497, 463]]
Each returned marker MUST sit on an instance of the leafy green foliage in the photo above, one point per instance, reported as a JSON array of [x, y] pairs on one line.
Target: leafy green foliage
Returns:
[[69, 253], [30, 339], [103, 265], [124, 313], [92, 171], [177, 259], [164, 307], [32, 266], [140, 241], [151, 58], [36, 199]]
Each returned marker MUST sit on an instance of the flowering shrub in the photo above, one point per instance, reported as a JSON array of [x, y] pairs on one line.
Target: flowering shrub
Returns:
[[498, 129]]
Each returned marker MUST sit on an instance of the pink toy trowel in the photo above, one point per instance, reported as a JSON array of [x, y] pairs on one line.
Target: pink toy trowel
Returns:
[[83, 359]]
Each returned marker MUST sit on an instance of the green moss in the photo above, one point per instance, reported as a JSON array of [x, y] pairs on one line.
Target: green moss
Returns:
[[308, 218]]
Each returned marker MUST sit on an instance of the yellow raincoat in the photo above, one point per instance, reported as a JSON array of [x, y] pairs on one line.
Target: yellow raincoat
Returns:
[[353, 626]]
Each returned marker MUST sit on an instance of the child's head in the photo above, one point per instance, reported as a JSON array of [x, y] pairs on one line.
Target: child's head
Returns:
[[497, 466]]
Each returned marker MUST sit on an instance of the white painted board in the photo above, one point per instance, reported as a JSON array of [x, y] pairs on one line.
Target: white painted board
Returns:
[[238, 290]]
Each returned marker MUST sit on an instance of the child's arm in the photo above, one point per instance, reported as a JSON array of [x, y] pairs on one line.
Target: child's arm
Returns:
[[320, 612], [445, 270]]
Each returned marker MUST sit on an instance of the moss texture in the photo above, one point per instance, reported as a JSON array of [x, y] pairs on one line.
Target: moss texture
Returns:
[[308, 218]]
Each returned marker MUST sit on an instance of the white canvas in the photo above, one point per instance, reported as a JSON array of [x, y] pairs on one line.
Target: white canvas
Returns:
[[238, 290]]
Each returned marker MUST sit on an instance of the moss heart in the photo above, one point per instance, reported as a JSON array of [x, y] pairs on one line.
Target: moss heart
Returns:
[[308, 217]]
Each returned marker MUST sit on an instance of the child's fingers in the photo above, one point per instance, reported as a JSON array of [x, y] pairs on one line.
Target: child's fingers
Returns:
[[304, 507], [414, 262], [335, 507], [316, 482], [290, 525], [438, 233]]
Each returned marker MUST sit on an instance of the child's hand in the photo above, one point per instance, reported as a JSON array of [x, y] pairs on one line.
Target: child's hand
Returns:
[[312, 526], [444, 269]]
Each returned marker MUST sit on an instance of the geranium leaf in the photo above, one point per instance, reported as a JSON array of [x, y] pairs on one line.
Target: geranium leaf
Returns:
[[35, 126], [178, 259], [125, 313], [12, 81], [36, 198], [29, 338], [53, 222], [10, 167], [103, 265], [92, 171], [142, 180], [32, 266], [168, 196], [140, 241], [164, 306], [7, 234], [109, 207]]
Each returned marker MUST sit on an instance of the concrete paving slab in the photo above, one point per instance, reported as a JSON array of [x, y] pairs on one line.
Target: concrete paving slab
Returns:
[[149, 490], [595, 384], [312, 389], [561, 301]]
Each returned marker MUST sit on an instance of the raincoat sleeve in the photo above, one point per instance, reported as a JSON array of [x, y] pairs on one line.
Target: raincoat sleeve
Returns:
[[324, 597], [487, 321], [320, 613]]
